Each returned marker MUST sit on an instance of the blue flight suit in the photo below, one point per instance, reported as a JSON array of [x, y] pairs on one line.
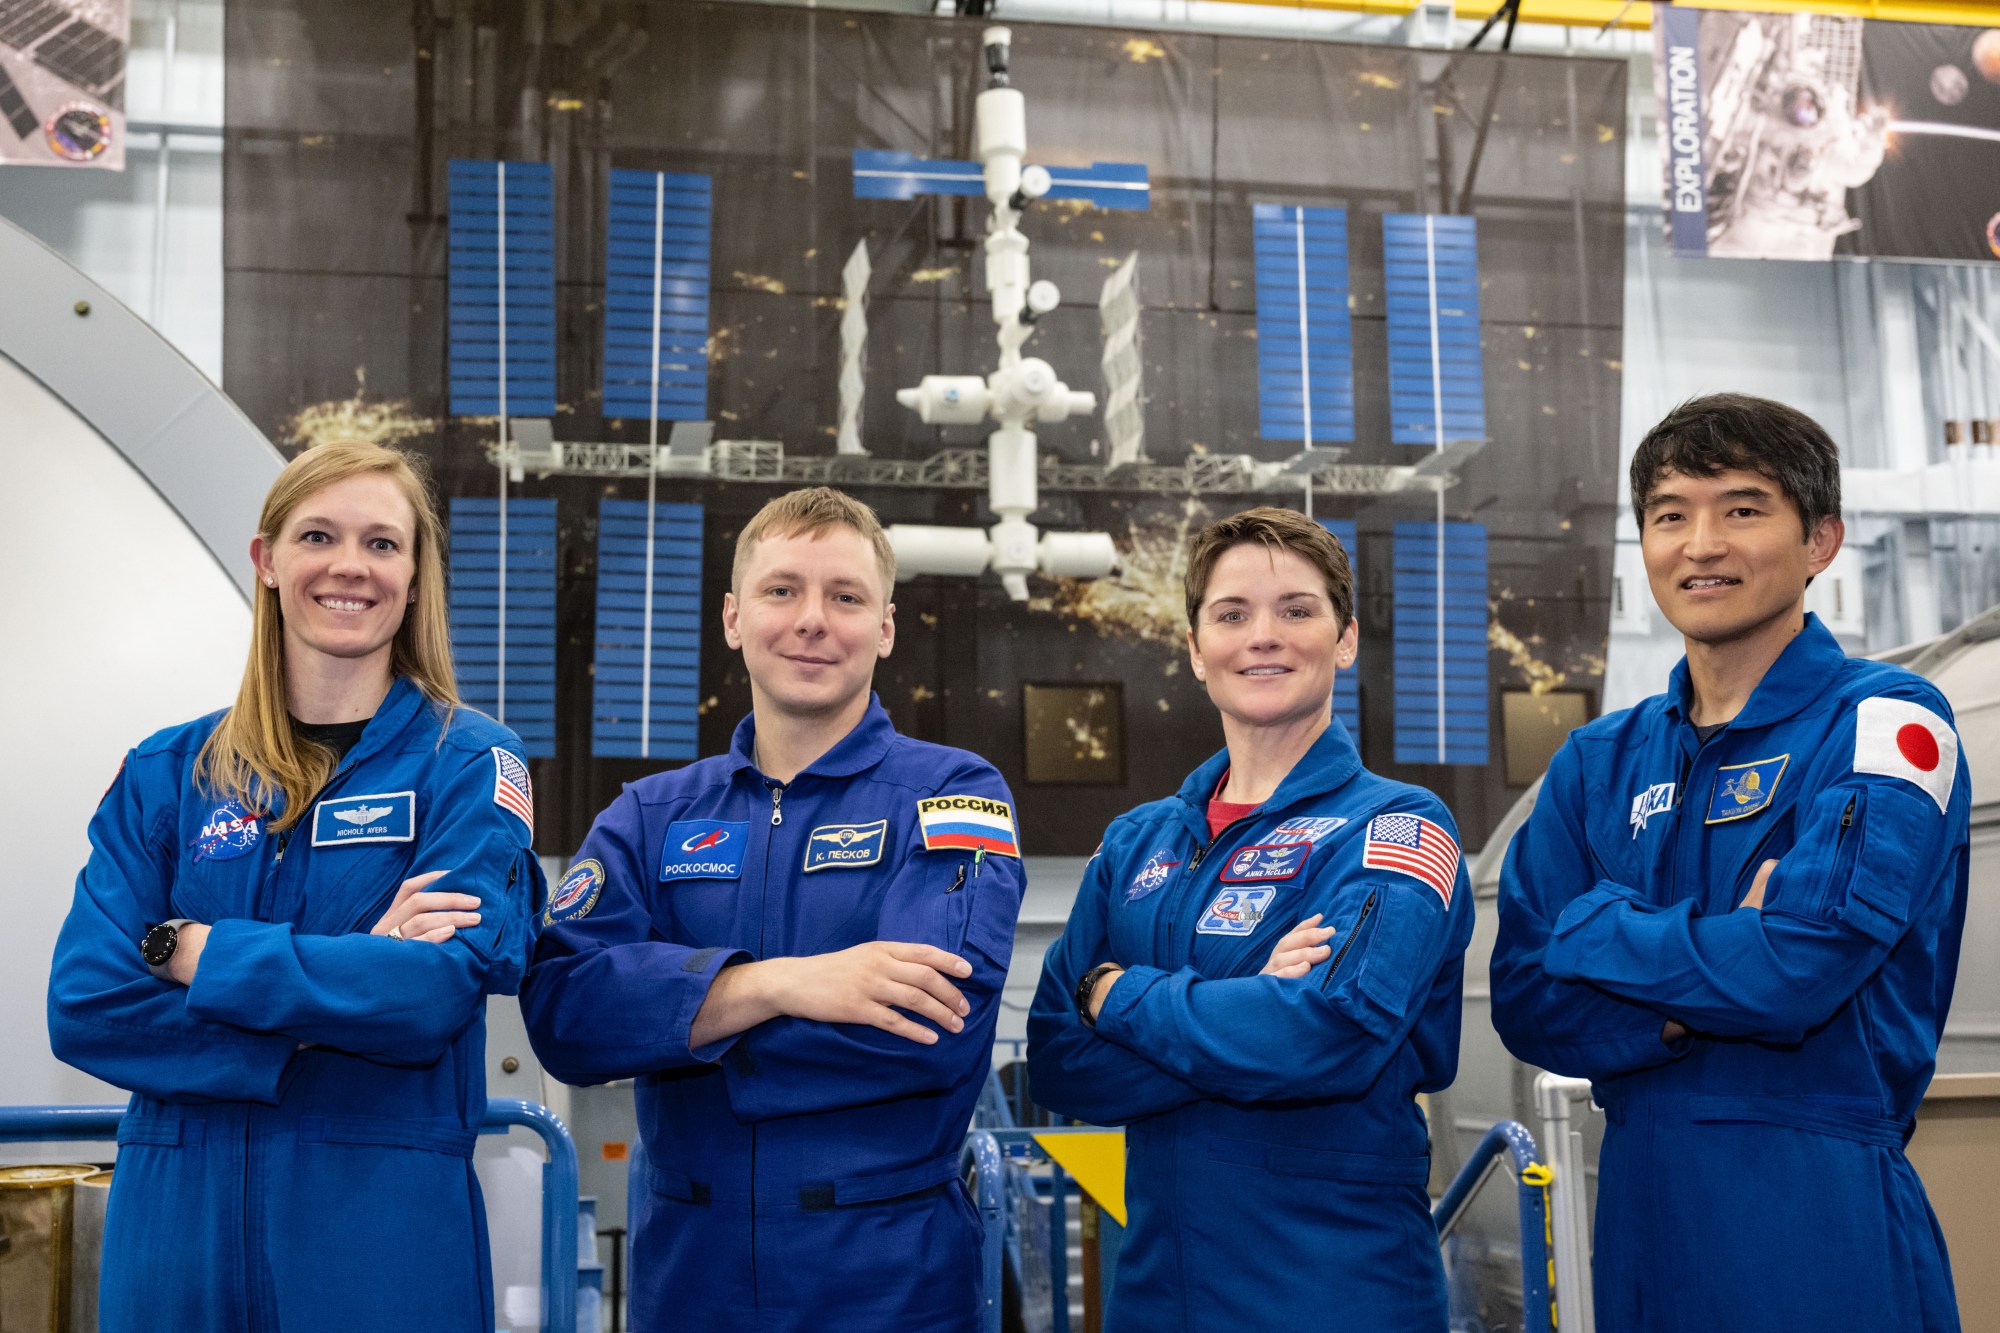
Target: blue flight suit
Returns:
[[802, 1175], [1752, 1174], [1276, 1159], [332, 1184]]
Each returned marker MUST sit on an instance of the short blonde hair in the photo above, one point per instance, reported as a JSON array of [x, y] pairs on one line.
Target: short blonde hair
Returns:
[[254, 754], [808, 513], [1275, 530]]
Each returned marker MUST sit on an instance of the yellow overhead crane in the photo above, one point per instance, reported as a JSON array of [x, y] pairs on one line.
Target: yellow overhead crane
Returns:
[[1639, 15]]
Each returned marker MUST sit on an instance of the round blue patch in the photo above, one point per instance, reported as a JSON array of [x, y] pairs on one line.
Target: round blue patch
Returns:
[[576, 894], [1152, 876], [229, 831]]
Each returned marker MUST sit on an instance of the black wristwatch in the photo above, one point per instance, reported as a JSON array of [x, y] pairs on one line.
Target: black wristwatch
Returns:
[[156, 949], [1086, 987]]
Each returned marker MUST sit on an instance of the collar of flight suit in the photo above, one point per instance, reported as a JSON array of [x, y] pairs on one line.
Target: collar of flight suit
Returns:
[[1799, 677], [398, 707], [1330, 763], [856, 752]]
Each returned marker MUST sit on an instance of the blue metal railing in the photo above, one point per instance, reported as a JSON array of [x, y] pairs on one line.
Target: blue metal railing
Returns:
[[1531, 1178], [982, 1156], [87, 1124]]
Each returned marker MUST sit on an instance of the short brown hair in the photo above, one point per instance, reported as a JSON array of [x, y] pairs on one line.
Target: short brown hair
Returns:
[[808, 513], [1277, 530]]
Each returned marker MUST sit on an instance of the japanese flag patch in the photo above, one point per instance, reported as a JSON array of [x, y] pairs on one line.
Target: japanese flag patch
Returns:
[[1899, 739]]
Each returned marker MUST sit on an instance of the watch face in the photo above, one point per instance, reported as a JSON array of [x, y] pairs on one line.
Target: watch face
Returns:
[[158, 946]]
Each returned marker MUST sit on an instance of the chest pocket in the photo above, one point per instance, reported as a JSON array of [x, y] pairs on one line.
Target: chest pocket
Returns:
[[702, 912], [345, 889], [1233, 926]]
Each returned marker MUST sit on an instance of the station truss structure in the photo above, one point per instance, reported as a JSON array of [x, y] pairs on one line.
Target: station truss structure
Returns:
[[1316, 473]]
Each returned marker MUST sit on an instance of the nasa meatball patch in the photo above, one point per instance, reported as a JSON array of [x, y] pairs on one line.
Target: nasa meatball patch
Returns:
[[1899, 739], [229, 831], [352, 820], [576, 894]]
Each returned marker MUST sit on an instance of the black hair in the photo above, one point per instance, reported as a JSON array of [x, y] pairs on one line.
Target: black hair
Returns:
[[1722, 431]]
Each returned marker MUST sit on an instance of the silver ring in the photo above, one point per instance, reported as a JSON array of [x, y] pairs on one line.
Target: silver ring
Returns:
[[395, 932]]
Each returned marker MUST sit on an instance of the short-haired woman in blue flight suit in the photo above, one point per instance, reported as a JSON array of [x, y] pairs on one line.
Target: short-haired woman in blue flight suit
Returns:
[[1259, 976], [283, 940]]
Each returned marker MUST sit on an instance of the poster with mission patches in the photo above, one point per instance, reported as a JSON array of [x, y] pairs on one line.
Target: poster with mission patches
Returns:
[[62, 82], [1805, 136]]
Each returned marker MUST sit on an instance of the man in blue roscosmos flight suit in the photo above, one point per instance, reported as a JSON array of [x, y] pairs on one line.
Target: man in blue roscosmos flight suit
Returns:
[[797, 948], [1736, 909], [1276, 1156]]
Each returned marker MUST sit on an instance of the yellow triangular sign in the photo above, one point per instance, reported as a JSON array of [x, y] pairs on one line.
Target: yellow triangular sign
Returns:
[[1097, 1160]]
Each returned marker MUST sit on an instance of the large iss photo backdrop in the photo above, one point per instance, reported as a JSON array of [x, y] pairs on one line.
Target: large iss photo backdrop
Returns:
[[356, 133]]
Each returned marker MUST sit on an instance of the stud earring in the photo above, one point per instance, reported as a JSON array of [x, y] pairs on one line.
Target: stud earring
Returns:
[[270, 582]]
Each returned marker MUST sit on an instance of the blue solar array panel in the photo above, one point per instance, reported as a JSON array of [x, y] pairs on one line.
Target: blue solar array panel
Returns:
[[883, 174], [1437, 389], [620, 696], [492, 203], [1305, 347], [1346, 689], [656, 296], [1448, 726], [526, 699]]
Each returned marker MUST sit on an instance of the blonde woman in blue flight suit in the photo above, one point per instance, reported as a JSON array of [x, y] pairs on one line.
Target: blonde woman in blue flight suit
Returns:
[[1260, 974], [282, 943]]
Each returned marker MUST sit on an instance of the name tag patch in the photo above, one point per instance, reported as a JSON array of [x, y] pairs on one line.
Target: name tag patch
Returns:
[[704, 849], [229, 831], [577, 894], [352, 820], [831, 846], [1236, 912], [1278, 860], [1742, 790]]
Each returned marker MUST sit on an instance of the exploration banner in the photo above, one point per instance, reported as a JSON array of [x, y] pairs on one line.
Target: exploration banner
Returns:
[[62, 82], [1804, 136]]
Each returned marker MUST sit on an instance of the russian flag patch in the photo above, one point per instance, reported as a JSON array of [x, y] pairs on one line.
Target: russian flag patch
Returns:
[[968, 823]]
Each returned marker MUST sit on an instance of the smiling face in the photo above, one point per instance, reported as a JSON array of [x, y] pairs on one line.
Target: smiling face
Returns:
[[344, 565], [1267, 640], [811, 617], [1727, 556]]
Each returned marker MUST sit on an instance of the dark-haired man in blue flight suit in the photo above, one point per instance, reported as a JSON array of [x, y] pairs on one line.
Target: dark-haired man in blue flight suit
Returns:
[[1736, 909], [797, 949]]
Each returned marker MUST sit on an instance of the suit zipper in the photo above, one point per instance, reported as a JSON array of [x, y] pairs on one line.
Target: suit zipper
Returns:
[[1353, 935], [763, 906]]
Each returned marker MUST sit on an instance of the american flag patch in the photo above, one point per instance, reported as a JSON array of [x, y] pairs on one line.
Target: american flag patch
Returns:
[[511, 787], [1415, 846]]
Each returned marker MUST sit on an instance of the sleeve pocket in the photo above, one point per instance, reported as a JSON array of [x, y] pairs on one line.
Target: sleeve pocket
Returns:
[[1877, 873], [1396, 959]]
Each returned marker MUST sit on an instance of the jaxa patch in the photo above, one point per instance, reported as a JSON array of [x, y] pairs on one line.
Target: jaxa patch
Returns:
[[385, 817], [831, 846], [1742, 790], [229, 831], [1152, 876], [968, 823], [576, 894], [1657, 799], [1235, 912], [704, 849], [1277, 860], [1308, 829]]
